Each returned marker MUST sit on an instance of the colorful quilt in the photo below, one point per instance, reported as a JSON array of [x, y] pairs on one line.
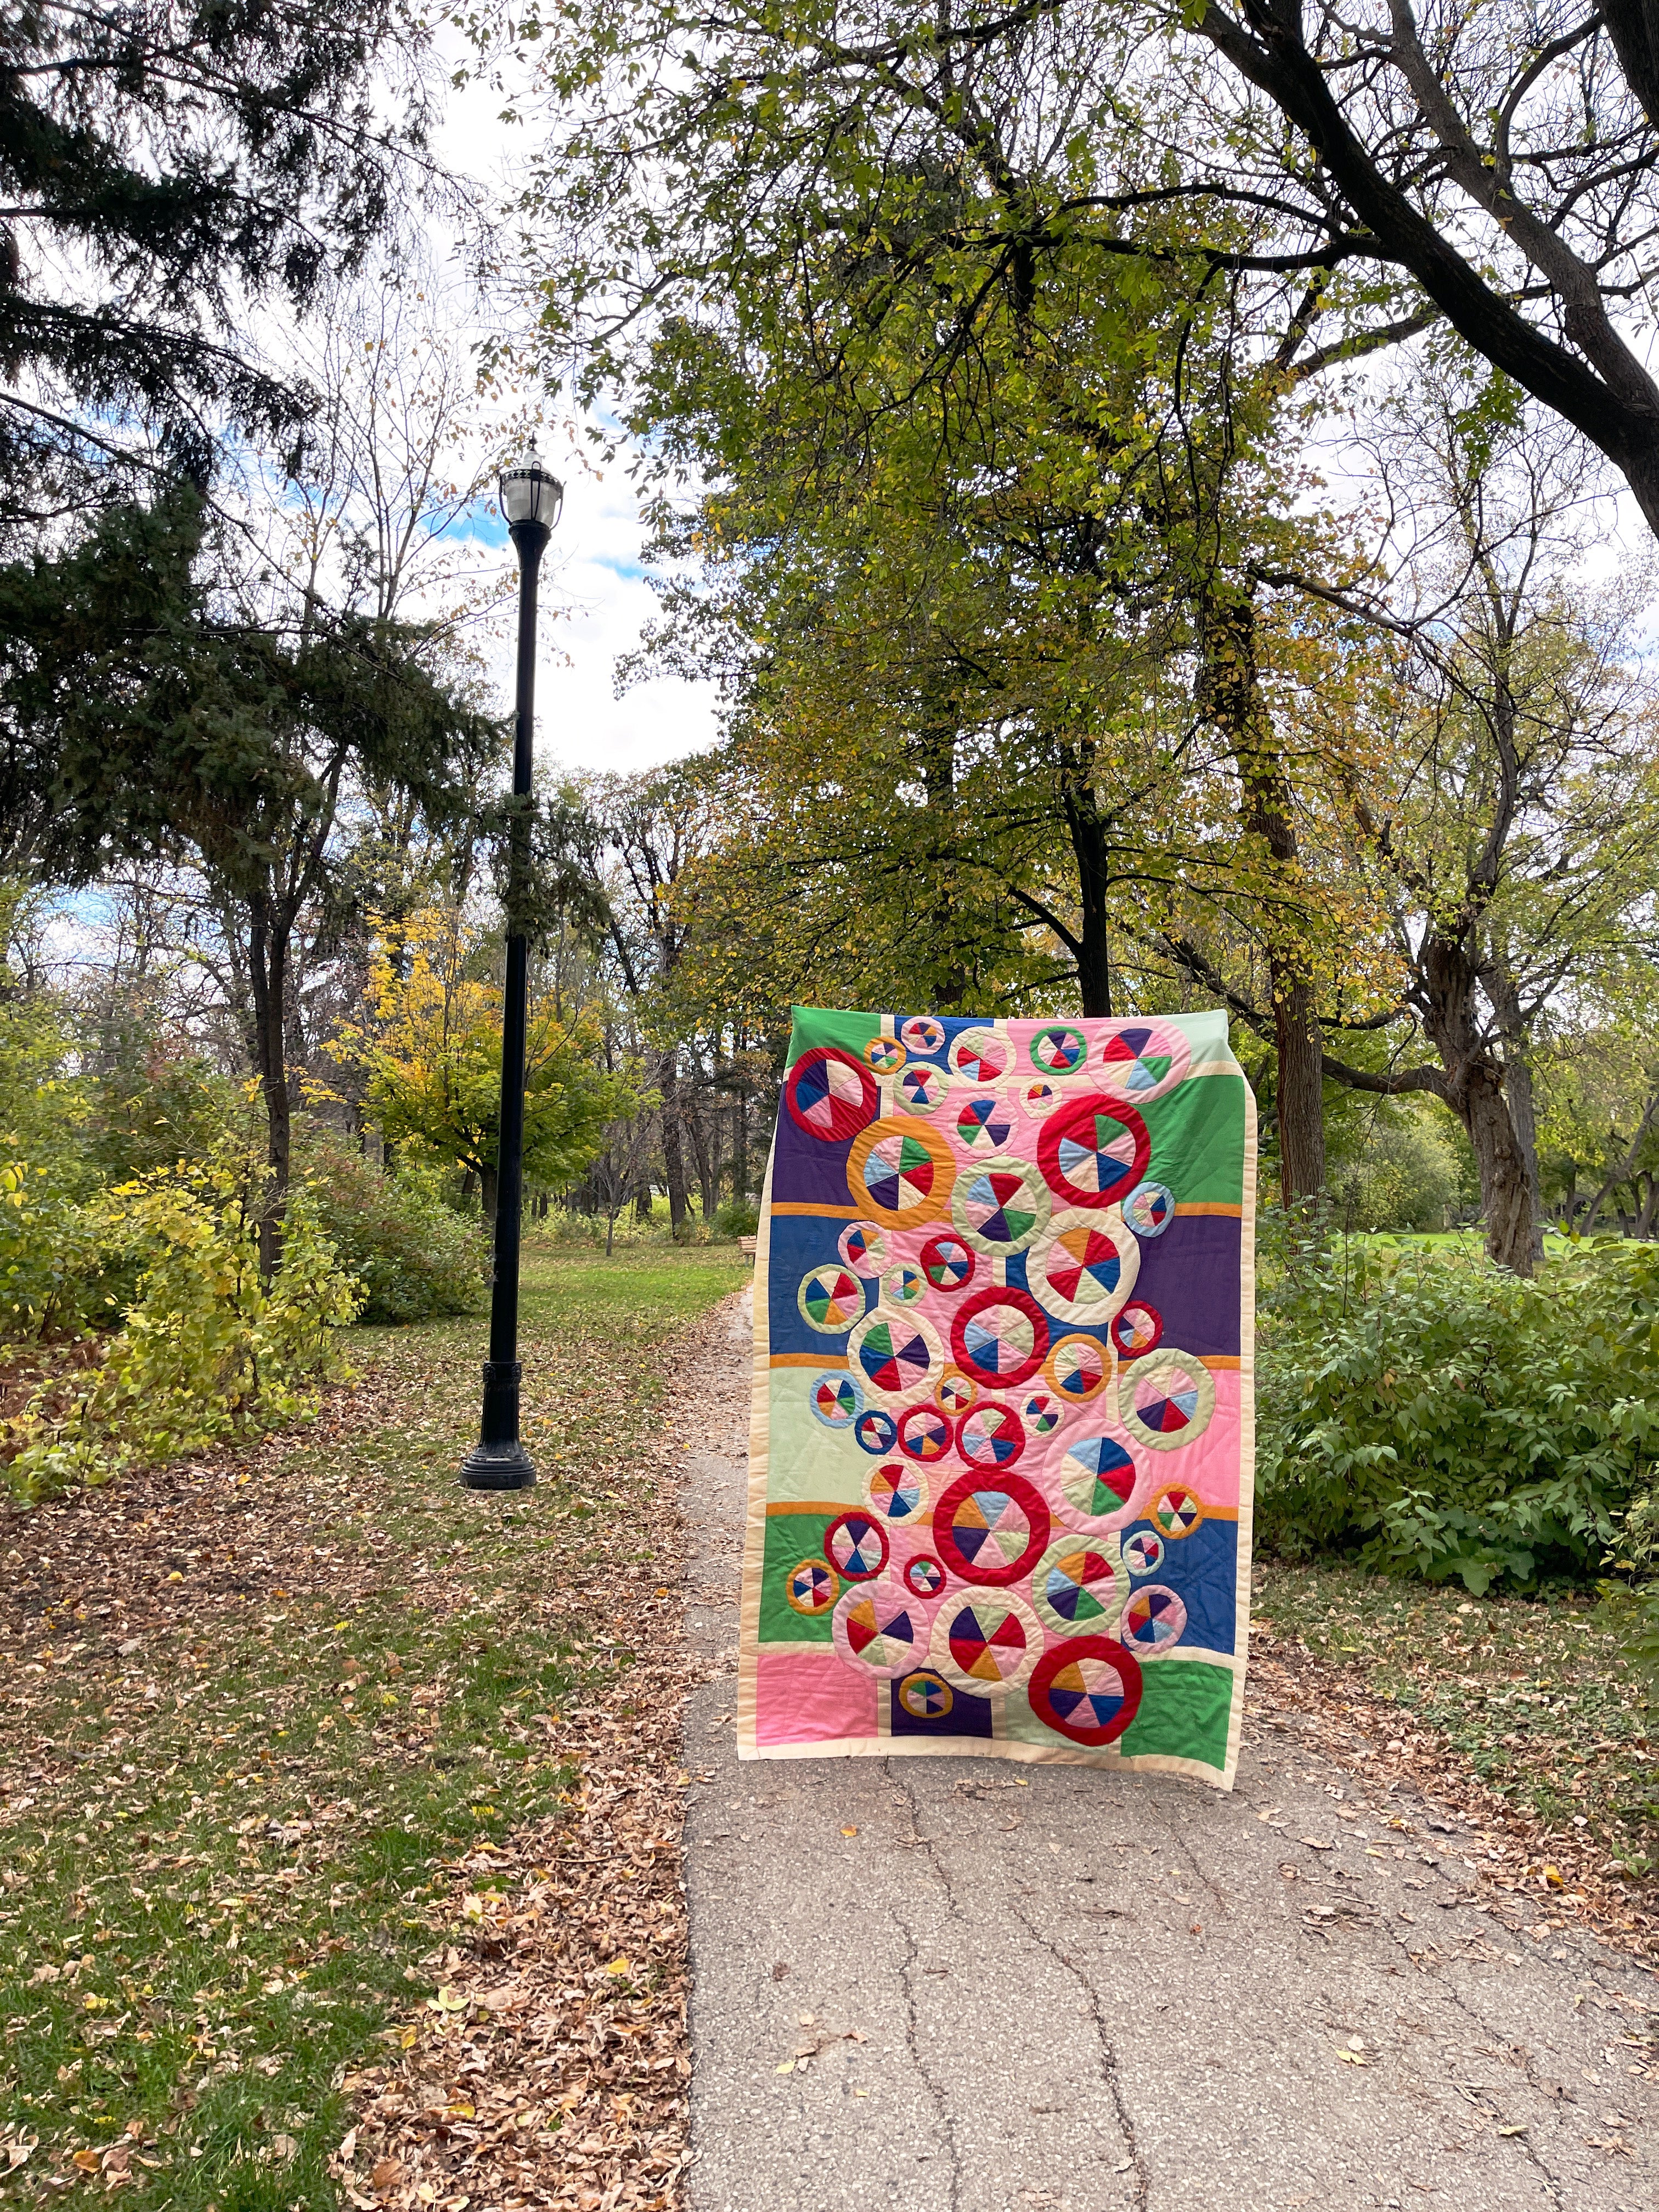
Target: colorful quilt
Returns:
[[1001, 1453]]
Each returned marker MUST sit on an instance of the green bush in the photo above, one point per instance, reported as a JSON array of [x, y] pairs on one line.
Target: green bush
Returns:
[[1442, 1418], [412, 1253], [203, 1351], [737, 1217]]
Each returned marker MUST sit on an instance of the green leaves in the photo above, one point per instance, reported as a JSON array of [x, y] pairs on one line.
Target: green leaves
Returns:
[[1446, 1419]]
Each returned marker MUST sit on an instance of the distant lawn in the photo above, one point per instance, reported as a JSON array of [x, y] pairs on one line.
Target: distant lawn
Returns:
[[256, 1708]]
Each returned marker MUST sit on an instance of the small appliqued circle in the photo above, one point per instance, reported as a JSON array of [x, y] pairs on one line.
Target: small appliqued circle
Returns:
[[1088, 1267], [954, 1393], [903, 1285], [810, 1588], [856, 1545], [991, 1528], [986, 1642], [980, 1055], [1167, 1399], [983, 1124], [830, 1097], [924, 1433], [1094, 1152], [1141, 1061], [896, 1493], [922, 1088], [923, 1575], [1136, 1330], [1143, 1551], [894, 1355], [1096, 1480], [947, 1262], [837, 1400], [1038, 1099], [1042, 1414], [990, 1436], [830, 1300], [1087, 1689], [875, 1431], [1175, 1512], [1148, 1211], [925, 1696], [999, 1338], [881, 1628], [1000, 1206], [902, 1172], [863, 1247], [1078, 1369], [922, 1033], [1059, 1050], [1077, 1587], [885, 1054], [1152, 1620]]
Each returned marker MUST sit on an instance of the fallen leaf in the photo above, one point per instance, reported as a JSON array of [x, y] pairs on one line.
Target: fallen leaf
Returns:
[[849, 1831]]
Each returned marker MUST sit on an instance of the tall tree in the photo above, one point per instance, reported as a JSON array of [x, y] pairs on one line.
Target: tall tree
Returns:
[[147, 723], [165, 163]]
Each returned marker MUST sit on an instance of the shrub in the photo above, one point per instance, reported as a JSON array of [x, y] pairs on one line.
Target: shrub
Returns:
[[737, 1217], [205, 1349], [1443, 1418], [413, 1256]]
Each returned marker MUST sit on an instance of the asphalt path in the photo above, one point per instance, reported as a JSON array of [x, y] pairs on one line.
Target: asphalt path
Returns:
[[1033, 1986]]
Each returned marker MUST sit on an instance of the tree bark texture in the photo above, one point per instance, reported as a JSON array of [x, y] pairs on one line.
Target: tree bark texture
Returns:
[[1517, 1087], [1233, 698], [673, 1137], [1091, 850]]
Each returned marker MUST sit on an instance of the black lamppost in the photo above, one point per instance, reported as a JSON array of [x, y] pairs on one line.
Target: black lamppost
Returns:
[[530, 500]]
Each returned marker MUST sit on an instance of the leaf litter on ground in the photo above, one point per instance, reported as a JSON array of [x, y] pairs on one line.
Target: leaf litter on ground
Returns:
[[316, 1776]]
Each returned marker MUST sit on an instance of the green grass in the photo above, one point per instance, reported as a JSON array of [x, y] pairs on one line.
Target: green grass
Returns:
[[1533, 1691], [222, 1897]]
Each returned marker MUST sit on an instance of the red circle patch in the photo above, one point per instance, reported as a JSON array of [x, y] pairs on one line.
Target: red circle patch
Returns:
[[991, 1528], [988, 1342], [1087, 1689], [1095, 1151]]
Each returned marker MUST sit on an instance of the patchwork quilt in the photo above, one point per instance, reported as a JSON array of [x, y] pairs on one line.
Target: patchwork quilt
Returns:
[[1001, 1452]]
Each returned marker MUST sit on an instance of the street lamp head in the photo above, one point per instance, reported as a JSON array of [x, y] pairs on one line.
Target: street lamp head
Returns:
[[530, 493]]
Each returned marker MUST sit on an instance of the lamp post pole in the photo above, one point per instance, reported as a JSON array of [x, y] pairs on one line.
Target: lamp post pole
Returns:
[[530, 500]]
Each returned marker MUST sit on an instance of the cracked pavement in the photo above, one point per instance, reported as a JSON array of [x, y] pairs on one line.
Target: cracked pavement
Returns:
[[1035, 1986]]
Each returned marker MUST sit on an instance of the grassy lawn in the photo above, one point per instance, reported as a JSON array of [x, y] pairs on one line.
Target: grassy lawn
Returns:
[[1532, 1692], [258, 1709]]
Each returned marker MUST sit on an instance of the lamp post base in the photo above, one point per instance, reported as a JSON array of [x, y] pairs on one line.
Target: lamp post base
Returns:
[[498, 1467]]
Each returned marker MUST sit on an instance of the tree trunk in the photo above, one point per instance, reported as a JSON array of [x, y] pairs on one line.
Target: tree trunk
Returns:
[[488, 1182], [1301, 1088], [696, 1125], [1474, 1091], [673, 1140], [1517, 1086], [1506, 1192], [268, 981], [1233, 698], [1092, 854]]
